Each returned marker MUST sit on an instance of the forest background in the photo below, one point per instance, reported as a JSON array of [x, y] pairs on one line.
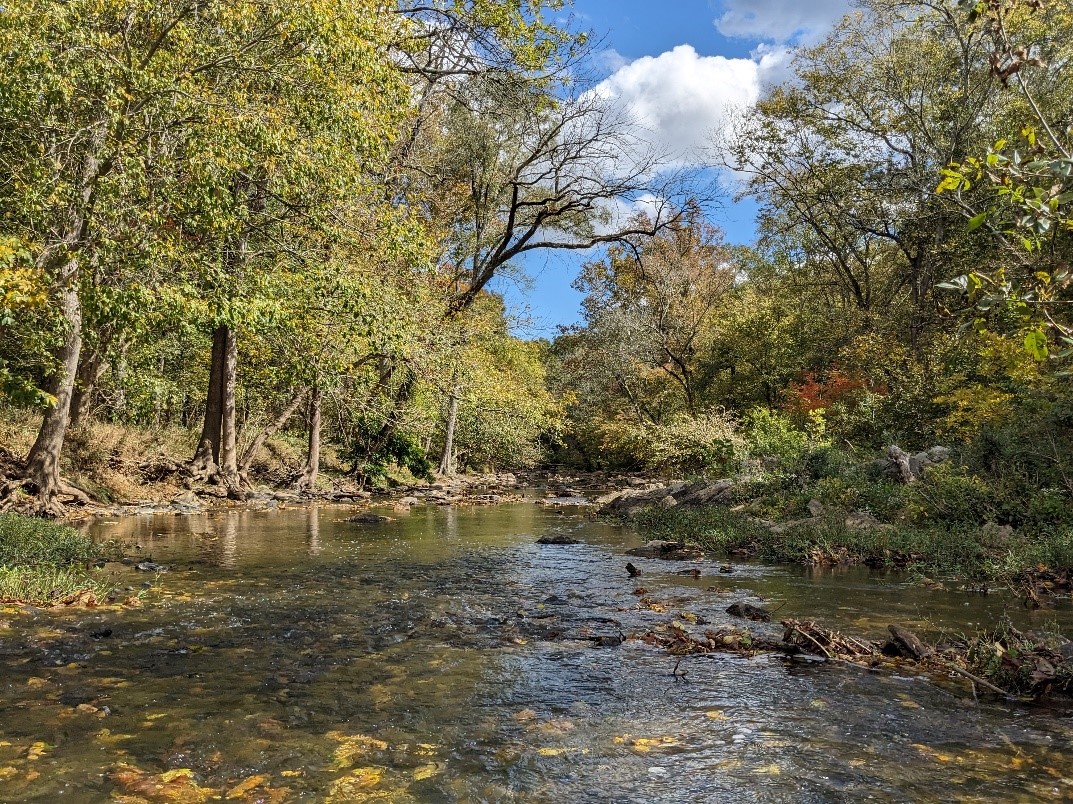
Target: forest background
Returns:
[[260, 238]]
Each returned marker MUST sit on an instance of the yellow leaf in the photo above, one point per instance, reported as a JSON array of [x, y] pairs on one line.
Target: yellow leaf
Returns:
[[36, 751], [245, 786], [771, 770], [716, 714], [427, 771], [178, 773]]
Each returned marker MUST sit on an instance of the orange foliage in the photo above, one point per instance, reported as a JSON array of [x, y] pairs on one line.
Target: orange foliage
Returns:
[[815, 392]]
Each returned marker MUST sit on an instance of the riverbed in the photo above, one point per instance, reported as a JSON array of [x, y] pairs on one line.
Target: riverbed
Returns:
[[444, 656]]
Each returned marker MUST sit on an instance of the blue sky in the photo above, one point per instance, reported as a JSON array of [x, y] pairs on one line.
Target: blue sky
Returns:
[[682, 65]]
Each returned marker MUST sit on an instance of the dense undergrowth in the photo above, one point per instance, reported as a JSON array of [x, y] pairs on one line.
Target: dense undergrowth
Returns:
[[958, 519], [46, 564]]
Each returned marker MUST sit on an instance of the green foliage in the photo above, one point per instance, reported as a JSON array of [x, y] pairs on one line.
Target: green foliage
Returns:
[[25, 542], [709, 443], [372, 454]]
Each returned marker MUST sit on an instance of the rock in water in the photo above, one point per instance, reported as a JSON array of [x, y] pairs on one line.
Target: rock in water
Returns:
[[749, 612], [630, 568], [557, 539], [368, 519], [668, 551]]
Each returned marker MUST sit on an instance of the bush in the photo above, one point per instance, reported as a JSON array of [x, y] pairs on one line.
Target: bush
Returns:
[[707, 442], [773, 435]]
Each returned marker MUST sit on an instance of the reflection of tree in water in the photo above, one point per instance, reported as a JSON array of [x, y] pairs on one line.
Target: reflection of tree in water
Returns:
[[229, 539], [313, 523]]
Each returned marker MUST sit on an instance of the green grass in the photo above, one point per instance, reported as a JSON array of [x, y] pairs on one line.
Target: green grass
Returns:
[[44, 563], [928, 550]]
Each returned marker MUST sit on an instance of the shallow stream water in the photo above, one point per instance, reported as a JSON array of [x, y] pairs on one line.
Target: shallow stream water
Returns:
[[288, 655]]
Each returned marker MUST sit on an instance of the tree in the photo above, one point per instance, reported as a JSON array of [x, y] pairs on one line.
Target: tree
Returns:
[[843, 160], [88, 90]]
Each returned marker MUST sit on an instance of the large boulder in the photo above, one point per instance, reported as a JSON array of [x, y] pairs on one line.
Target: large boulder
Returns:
[[907, 468]]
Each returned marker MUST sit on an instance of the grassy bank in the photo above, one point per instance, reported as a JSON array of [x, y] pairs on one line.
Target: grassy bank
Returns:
[[955, 550], [46, 564]]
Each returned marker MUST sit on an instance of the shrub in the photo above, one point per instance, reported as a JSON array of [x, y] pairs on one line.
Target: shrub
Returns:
[[707, 442]]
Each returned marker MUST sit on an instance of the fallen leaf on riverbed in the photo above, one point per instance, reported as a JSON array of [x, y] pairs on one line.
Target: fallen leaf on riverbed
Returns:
[[36, 751], [716, 714], [245, 786], [346, 787], [556, 752], [644, 744], [174, 786], [353, 745], [427, 771], [770, 770]]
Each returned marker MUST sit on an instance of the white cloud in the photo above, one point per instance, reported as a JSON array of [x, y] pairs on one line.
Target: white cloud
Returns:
[[680, 97], [799, 21]]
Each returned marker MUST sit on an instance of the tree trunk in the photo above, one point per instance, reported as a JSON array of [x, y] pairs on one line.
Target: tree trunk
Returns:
[[62, 260], [43, 461], [119, 371], [447, 462], [90, 367], [207, 457], [229, 476], [269, 430], [308, 481]]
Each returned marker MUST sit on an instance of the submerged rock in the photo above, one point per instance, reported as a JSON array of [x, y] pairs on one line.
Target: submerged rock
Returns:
[[558, 538], [368, 518]]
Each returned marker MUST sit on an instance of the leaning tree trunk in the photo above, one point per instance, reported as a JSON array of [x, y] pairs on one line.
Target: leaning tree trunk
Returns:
[[307, 483], [43, 460], [269, 430], [207, 456], [90, 367], [447, 462]]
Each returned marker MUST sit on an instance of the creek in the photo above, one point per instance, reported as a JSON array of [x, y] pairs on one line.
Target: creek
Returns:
[[443, 656]]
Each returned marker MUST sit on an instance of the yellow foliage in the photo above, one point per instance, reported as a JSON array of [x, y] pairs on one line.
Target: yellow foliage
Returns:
[[970, 407]]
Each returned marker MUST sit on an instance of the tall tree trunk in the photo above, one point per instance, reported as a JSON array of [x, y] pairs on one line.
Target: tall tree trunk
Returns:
[[158, 396], [119, 371], [62, 261], [43, 461], [229, 476], [270, 430], [207, 457], [308, 481], [447, 462], [90, 367]]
